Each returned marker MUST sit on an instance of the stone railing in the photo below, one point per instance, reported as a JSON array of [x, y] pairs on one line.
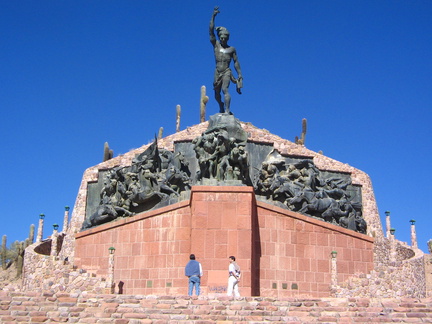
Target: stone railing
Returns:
[[35, 307]]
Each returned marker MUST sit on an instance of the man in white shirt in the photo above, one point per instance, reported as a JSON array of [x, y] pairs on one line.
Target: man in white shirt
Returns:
[[234, 277]]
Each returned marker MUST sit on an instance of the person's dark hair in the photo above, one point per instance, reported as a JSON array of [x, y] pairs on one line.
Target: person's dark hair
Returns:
[[192, 257], [232, 257]]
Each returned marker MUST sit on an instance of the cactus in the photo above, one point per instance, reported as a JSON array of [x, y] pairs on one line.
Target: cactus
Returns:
[[178, 110], [20, 259], [31, 234], [429, 243], [160, 134], [304, 130], [30, 239], [203, 102], [3, 252], [302, 139], [15, 254], [108, 154]]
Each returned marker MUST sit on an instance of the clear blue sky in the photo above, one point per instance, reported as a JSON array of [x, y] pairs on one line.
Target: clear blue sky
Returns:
[[74, 74]]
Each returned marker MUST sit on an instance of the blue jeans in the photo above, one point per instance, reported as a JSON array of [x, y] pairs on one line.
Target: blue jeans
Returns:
[[194, 281]]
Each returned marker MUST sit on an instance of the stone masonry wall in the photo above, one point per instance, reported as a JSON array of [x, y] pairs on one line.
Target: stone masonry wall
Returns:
[[49, 273], [36, 307], [295, 253], [274, 247], [151, 250], [428, 270], [402, 274]]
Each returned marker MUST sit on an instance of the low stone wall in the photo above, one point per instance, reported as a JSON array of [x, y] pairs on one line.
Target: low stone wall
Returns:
[[46, 272], [33, 307], [401, 278]]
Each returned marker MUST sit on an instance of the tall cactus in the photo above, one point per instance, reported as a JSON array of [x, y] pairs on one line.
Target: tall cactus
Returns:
[[108, 153], [20, 259], [429, 243], [3, 252], [178, 111], [160, 134], [31, 233], [203, 102], [302, 139], [30, 239]]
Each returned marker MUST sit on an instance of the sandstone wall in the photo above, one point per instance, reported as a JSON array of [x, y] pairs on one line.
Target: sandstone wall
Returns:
[[295, 253], [281, 253], [151, 250]]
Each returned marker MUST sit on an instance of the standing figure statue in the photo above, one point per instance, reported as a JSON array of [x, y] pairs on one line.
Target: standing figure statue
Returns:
[[223, 56]]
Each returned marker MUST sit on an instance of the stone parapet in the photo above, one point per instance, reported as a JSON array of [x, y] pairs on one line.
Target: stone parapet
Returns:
[[40, 307]]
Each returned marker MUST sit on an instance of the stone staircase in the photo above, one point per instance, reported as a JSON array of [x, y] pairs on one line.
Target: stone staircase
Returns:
[[40, 307]]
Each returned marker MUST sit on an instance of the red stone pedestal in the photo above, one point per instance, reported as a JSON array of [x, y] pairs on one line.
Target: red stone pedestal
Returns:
[[221, 227], [281, 253]]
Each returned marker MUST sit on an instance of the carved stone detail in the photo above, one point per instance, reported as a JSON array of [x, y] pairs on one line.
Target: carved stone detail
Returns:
[[222, 156], [301, 187]]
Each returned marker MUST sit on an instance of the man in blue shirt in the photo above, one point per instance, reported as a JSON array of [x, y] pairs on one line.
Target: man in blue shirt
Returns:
[[193, 270]]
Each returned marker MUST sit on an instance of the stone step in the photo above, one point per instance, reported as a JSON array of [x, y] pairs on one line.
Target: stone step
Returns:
[[34, 307]]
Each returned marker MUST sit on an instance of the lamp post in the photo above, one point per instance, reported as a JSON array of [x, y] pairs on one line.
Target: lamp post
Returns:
[[111, 269], [54, 240], [65, 219], [392, 245], [413, 235], [387, 213], [333, 269], [40, 228]]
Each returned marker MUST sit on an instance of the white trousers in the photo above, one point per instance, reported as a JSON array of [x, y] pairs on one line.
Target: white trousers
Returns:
[[233, 287]]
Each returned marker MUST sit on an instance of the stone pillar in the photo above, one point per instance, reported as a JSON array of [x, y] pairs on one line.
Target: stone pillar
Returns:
[[66, 219], [388, 227], [111, 285], [54, 240], [221, 226], [334, 281], [40, 228], [413, 235], [392, 245]]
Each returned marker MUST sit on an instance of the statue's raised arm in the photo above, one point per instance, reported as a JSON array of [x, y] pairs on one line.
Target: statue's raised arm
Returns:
[[224, 55], [211, 27]]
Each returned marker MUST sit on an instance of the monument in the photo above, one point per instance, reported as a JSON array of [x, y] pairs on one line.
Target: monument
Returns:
[[158, 178], [300, 223]]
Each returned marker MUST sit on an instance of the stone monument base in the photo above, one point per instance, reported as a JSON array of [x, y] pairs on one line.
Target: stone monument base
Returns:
[[281, 253]]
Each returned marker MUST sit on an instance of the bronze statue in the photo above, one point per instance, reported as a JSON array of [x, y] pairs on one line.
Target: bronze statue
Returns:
[[223, 56]]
